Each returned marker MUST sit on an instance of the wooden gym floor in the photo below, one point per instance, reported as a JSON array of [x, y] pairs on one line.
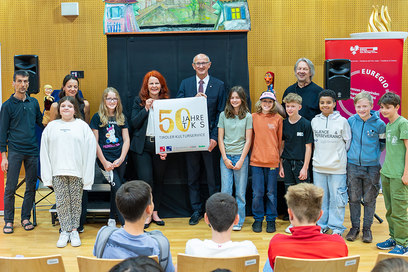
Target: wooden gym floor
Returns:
[[42, 240]]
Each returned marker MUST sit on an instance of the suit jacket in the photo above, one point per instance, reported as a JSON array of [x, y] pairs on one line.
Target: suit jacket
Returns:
[[138, 121], [215, 92]]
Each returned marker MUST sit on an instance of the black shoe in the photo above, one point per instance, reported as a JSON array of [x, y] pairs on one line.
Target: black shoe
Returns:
[[257, 226], [352, 235], [367, 235], [270, 226], [159, 223], [285, 217], [195, 218]]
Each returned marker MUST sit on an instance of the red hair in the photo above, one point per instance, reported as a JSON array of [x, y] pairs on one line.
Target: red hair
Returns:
[[144, 91], [273, 77]]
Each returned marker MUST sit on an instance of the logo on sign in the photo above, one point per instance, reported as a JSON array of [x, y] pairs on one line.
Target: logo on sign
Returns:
[[168, 148], [162, 149], [363, 50]]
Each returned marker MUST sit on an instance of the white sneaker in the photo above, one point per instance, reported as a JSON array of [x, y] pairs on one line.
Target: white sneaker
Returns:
[[108, 176], [111, 223], [74, 237], [287, 230], [63, 239], [236, 228]]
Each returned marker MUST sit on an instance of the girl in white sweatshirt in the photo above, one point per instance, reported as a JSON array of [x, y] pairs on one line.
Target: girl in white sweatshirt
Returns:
[[67, 155]]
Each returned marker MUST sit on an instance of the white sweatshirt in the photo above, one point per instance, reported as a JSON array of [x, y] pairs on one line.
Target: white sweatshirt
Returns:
[[332, 137], [68, 149]]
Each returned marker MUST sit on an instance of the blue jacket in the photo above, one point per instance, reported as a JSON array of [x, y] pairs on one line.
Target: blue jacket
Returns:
[[368, 140]]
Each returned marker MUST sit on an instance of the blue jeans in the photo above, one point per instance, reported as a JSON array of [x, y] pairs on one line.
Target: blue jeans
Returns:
[[264, 178], [334, 200], [241, 179]]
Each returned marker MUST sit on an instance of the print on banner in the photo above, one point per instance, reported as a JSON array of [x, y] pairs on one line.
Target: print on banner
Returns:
[[181, 125]]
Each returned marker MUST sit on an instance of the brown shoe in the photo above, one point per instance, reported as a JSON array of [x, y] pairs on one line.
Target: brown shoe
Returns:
[[367, 235], [352, 235]]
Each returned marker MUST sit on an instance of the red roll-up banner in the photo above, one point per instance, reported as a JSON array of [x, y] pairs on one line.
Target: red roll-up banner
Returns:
[[376, 67]]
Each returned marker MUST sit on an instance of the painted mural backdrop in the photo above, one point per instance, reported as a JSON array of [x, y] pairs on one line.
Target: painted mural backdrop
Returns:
[[175, 15]]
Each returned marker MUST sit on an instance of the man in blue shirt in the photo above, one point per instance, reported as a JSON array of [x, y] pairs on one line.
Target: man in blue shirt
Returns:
[[18, 117]]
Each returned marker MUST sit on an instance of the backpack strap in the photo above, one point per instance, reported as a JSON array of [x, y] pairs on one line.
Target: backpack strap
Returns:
[[102, 239], [164, 246]]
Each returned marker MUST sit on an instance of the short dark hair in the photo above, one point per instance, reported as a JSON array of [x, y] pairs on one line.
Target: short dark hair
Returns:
[[221, 209], [22, 73], [132, 198], [137, 264], [329, 93], [390, 98]]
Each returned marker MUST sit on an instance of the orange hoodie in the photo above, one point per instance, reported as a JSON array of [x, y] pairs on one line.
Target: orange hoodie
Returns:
[[266, 140]]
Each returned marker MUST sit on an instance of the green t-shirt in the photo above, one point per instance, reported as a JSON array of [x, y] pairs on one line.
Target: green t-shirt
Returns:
[[394, 163], [234, 132]]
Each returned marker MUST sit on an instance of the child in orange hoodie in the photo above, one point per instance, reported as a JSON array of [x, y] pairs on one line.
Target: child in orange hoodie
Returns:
[[266, 145]]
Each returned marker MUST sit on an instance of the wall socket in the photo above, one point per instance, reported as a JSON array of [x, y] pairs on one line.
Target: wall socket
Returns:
[[78, 74]]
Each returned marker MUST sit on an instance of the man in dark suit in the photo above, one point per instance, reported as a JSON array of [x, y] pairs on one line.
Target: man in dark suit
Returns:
[[213, 89]]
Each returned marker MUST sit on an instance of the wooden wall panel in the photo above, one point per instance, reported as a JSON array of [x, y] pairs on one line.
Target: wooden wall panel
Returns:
[[282, 31], [61, 43]]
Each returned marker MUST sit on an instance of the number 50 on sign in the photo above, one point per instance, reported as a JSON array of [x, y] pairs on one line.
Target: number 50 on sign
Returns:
[[181, 125]]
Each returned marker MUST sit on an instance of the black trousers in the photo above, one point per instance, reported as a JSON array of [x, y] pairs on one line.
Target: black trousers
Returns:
[[193, 173], [151, 169]]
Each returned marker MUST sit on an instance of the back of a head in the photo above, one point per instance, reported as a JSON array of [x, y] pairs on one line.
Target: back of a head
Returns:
[[221, 209], [137, 264], [132, 198], [391, 265], [305, 201]]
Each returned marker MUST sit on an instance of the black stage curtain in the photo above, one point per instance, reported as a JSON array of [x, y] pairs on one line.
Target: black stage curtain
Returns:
[[130, 57]]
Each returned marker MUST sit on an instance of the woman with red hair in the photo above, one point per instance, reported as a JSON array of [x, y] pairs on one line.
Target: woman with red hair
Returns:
[[149, 165]]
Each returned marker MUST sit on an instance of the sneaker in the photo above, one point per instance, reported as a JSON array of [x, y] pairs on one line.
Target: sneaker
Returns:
[[367, 235], [270, 226], [398, 249], [324, 231], [63, 239], [236, 228], [195, 218], [338, 233], [111, 223], [80, 229], [74, 237], [285, 217], [257, 226], [352, 235], [389, 244], [287, 230]]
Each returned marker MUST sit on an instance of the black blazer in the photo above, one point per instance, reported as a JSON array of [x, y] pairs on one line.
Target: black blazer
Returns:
[[138, 121], [215, 93]]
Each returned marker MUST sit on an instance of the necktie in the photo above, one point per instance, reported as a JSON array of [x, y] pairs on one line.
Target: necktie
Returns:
[[201, 88]]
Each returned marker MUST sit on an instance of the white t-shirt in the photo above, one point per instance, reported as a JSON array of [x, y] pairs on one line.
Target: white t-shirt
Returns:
[[208, 248]]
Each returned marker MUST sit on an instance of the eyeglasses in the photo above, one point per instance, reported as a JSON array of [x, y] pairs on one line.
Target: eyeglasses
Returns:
[[198, 64], [112, 99]]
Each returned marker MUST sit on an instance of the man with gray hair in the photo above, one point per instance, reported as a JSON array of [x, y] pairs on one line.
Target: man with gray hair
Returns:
[[213, 89], [306, 88]]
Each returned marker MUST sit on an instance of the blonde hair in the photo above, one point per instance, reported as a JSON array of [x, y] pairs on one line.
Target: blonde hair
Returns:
[[258, 107], [103, 110], [363, 95], [293, 98], [305, 200]]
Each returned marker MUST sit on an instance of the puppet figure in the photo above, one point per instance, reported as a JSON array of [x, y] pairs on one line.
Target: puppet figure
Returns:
[[48, 100], [270, 80]]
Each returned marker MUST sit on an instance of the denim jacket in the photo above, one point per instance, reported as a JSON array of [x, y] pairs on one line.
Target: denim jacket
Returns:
[[368, 140]]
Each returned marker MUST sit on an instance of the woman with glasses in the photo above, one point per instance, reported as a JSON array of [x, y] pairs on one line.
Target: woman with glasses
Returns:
[[110, 128]]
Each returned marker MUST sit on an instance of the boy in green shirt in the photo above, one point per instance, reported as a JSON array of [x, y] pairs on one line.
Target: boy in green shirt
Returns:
[[394, 175]]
